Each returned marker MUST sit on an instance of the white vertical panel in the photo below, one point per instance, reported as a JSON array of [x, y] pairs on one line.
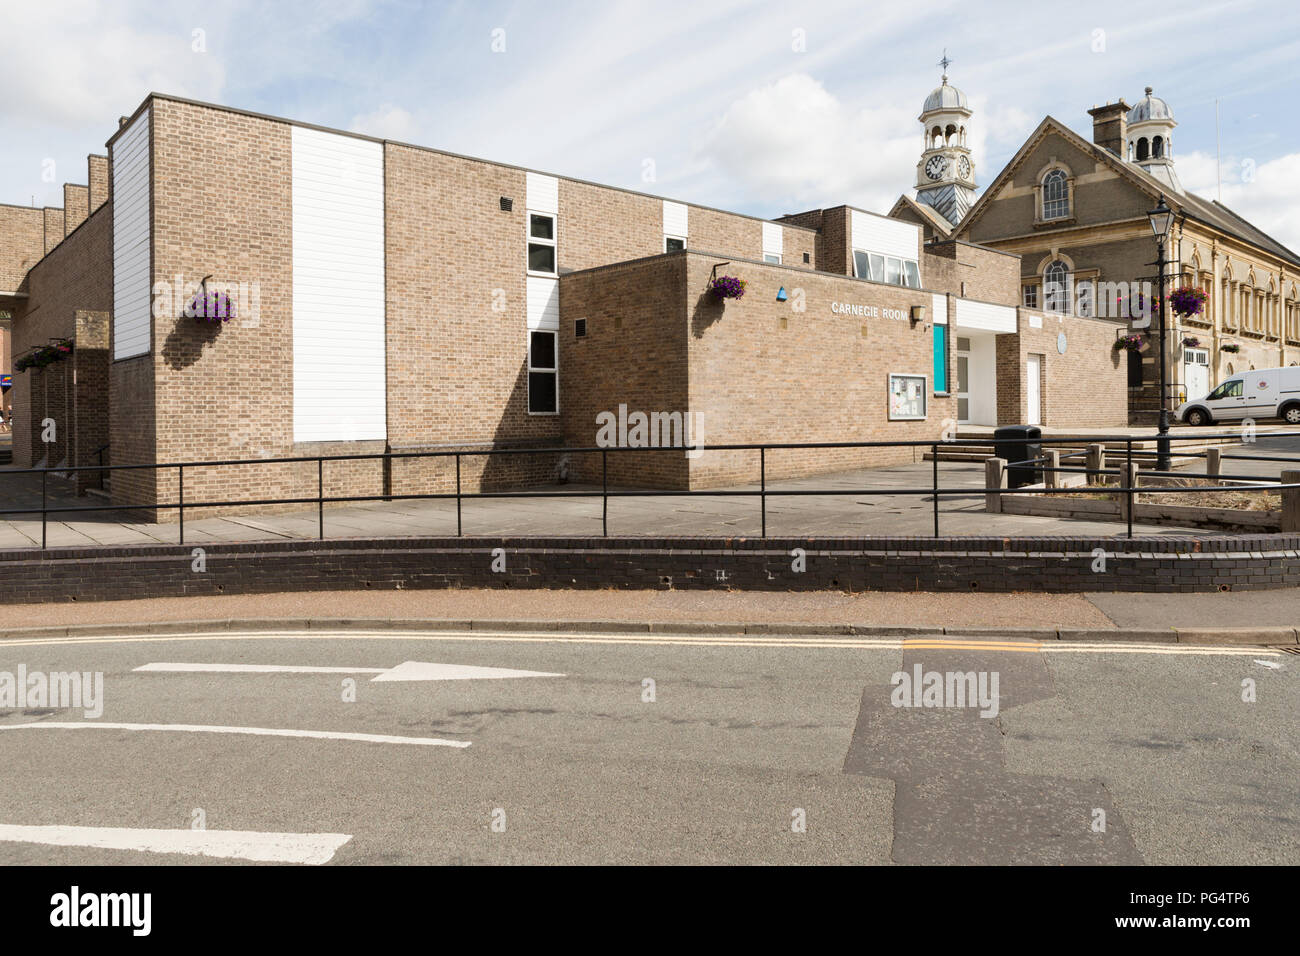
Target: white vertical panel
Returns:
[[131, 241], [939, 308], [890, 237], [542, 193], [543, 303], [675, 219], [339, 380], [773, 244], [985, 317]]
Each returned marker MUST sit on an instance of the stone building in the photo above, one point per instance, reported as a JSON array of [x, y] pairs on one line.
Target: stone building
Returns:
[[1075, 212]]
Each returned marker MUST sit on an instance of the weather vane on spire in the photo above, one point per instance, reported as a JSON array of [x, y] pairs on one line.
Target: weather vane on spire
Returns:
[[944, 63]]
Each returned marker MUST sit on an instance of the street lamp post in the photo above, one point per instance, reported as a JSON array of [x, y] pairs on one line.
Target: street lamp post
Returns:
[[1161, 219]]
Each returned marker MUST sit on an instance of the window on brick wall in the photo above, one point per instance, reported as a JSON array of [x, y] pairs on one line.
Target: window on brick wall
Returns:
[[772, 257], [674, 244], [1030, 295], [541, 243], [543, 374]]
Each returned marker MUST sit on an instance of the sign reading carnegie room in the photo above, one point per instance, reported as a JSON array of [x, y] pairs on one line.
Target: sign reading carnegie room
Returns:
[[868, 311]]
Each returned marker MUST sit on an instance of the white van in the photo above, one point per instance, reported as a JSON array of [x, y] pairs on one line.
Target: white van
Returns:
[[1259, 393]]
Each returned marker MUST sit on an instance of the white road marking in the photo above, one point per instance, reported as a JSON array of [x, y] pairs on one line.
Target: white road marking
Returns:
[[707, 640], [254, 731], [406, 671], [309, 848]]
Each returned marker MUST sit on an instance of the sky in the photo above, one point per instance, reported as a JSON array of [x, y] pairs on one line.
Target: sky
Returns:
[[761, 108]]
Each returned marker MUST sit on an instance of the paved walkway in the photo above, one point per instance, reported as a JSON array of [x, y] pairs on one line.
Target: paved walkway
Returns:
[[845, 514]]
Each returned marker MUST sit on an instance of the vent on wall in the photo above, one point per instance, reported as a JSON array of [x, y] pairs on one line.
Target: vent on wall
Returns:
[[805, 257], [507, 204], [579, 328]]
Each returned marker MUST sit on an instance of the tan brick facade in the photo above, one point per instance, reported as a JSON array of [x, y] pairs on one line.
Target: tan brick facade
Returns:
[[1086, 387]]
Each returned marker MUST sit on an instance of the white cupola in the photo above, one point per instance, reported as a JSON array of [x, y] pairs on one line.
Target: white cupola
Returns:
[[1149, 139]]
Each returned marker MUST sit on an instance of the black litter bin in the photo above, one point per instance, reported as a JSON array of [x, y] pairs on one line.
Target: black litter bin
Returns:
[[1018, 443]]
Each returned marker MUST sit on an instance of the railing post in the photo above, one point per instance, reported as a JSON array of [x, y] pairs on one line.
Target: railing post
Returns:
[[934, 457], [458, 525], [1051, 477], [1213, 461], [1130, 481], [1291, 502], [43, 507], [604, 492], [1097, 461], [320, 497], [762, 486], [995, 479], [180, 486]]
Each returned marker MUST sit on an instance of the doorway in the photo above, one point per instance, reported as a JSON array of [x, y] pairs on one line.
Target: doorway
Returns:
[[1196, 373]]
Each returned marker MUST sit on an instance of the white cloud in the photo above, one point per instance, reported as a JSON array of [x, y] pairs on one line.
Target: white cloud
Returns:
[[1264, 194], [387, 122], [794, 142]]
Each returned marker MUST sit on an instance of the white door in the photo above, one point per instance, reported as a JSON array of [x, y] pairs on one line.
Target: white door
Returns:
[[963, 380], [1196, 373], [1033, 389]]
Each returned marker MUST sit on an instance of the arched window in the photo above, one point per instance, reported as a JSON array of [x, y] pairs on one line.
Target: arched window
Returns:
[[1056, 287], [1157, 147], [1142, 149], [1056, 194]]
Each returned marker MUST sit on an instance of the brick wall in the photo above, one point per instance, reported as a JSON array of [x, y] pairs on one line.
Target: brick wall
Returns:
[[961, 564], [22, 244], [54, 227], [818, 378], [76, 206], [97, 178], [634, 353], [971, 271], [1084, 388], [75, 276]]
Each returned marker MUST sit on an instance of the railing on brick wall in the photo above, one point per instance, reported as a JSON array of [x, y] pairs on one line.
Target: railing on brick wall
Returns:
[[995, 484]]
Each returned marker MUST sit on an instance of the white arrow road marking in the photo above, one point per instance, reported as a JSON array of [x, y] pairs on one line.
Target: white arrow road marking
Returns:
[[255, 731], [309, 848], [406, 671]]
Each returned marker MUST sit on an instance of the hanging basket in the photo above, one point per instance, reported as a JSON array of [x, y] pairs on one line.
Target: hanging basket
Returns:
[[45, 356], [727, 287], [1187, 300], [1130, 343], [210, 307]]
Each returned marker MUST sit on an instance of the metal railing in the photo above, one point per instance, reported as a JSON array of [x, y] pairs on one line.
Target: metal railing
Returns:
[[763, 492]]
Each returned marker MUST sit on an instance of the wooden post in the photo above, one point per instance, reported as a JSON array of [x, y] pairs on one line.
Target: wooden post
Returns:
[[995, 476], [1051, 477], [1213, 461], [1130, 480], [1291, 502], [1096, 462]]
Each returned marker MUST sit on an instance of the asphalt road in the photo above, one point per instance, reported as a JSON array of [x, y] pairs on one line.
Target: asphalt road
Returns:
[[745, 737]]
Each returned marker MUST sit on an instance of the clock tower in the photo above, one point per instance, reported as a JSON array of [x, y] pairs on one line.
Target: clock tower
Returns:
[[945, 176]]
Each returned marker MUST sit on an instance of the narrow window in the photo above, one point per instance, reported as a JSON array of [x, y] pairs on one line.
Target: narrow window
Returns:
[[543, 374], [1056, 195], [941, 358], [1031, 295], [541, 243], [1056, 286], [911, 274]]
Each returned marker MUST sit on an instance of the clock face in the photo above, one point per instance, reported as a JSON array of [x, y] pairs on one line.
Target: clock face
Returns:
[[936, 166], [963, 168]]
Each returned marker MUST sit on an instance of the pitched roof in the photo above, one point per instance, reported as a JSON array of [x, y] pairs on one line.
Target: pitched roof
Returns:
[[1212, 213], [928, 213]]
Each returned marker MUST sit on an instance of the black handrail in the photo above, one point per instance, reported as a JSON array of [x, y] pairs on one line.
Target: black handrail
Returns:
[[762, 492]]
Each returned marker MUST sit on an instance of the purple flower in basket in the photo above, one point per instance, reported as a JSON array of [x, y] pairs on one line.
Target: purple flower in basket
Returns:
[[727, 287], [212, 306], [1187, 300]]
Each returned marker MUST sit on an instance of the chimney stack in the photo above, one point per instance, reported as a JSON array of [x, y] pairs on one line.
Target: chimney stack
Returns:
[[1110, 126]]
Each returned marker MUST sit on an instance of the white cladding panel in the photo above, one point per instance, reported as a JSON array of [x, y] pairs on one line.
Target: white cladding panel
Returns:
[[132, 283], [339, 382], [982, 316], [889, 237], [675, 219], [543, 303], [542, 193], [773, 239], [939, 309]]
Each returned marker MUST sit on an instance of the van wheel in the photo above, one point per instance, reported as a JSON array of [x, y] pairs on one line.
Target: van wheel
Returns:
[[1292, 414], [1197, 417]]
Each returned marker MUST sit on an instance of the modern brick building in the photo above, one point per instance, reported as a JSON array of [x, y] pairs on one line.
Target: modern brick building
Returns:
[[389, 297]]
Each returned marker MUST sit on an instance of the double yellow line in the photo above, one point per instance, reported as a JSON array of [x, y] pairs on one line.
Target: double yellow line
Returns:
[[668, 640]]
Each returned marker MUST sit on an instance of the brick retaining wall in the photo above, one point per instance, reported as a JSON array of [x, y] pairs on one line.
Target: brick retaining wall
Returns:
[[1057, 564]]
